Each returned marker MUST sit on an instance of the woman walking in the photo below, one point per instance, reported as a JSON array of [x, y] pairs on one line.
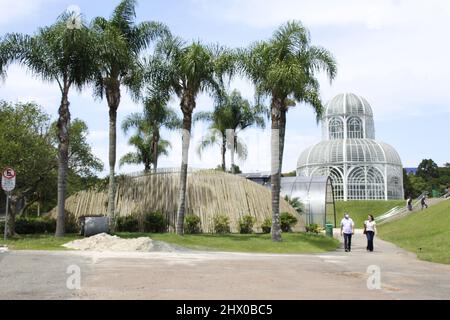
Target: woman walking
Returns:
[[370, 229]]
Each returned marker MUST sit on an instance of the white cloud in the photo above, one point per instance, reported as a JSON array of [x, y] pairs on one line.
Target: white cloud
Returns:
[[19, 10], [371, 14]]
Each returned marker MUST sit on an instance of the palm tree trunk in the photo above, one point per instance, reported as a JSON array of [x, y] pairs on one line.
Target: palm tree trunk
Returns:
[[63, 159], [113, 97], [224, 153], [276, 170], [187, 106], [282, 136], [233, 153], [156, 138]]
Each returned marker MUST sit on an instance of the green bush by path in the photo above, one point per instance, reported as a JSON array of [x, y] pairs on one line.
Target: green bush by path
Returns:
[[192, 224], [128, 224], [221, 224], [425, 233], [30, 226], [287, 221], [267, 226], [246, 224], [155, 222], [359, 210]]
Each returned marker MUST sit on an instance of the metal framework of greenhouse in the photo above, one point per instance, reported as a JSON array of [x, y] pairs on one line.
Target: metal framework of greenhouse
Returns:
[[316, 196], [360, 167]]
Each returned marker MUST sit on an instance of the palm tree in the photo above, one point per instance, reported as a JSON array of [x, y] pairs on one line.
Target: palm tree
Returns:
[[143, 154], [61, 53], [295, 203], [284, 69], [232, 115], [148, 140], [119, 43], [187, 71]]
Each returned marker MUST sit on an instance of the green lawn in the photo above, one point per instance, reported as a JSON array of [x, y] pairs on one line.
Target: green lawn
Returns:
[[425, 233], [293, 243], [39, 242], [359, 210]]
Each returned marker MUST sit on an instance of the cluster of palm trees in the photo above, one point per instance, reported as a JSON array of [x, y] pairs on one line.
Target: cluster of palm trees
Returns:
[[112, 54]]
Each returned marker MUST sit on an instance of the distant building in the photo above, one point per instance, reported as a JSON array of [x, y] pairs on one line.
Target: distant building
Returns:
[[411, 171], [261, 178], [361, 168]]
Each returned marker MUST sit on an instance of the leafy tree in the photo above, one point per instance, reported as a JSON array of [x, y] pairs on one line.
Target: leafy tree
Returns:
[[232, 114], [119, 42], [418, 185], [26, 146], [62, 53], [29, 144], [284, 69], [428, 169], [409, 190], [187, 71]]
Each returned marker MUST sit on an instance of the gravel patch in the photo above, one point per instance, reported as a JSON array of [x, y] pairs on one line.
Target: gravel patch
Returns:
[[107, 243]]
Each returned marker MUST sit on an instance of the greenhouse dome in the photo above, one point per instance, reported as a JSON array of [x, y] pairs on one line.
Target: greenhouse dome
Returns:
[[360, 167]]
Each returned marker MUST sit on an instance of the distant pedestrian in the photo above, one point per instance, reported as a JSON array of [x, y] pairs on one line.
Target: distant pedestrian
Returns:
[[423, 202], [347, 231], [370, 229], [409, 204]]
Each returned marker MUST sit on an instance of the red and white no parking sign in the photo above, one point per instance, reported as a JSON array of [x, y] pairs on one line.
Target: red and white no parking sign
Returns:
[[8, 180]]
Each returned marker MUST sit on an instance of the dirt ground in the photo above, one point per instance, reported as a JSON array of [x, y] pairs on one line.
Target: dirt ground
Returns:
[[206, 275]]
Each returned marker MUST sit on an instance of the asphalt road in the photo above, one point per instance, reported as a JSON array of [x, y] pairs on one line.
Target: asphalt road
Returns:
[[225, 276]]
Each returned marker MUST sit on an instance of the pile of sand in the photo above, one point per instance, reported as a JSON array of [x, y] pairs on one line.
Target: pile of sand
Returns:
[[107, 243]]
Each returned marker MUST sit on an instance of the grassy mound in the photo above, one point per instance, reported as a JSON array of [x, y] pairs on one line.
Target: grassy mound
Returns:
[[359, 210], [425, 233]]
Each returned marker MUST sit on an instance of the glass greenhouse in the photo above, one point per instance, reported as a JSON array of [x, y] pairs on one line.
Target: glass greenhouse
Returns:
[[360, 167], [316, 196]]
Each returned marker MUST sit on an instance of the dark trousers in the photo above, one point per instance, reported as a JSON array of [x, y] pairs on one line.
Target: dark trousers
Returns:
[[370, 237], [348, 241]]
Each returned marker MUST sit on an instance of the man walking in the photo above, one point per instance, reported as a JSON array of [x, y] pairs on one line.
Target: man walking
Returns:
[[423, 202], [347, 231]]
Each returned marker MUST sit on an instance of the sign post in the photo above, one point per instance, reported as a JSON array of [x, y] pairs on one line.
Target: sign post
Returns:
[[8, 185]]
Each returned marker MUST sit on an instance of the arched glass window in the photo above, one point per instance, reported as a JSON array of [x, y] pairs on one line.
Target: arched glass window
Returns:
[[355, 129], [336, 129], [335, 173], [366, 183]]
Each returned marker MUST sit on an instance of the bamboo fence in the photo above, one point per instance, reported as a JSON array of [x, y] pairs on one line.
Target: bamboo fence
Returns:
[[209, 193]]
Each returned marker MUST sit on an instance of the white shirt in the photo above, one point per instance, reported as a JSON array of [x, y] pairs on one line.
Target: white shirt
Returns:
[[347, 226], [370, 225]]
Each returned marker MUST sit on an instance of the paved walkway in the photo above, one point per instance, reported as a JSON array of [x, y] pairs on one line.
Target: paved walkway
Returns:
[[200, 275]]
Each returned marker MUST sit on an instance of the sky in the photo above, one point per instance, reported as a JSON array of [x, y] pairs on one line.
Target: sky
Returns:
[[392, 52]]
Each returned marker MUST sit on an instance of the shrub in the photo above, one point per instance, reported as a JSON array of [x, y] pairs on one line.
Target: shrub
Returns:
[[221, 224], [192, 224], [288, 221], [26, 226], [155, 222], [246, 224], [313, 228], [267, 226], [127, 224], [71, 225]]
